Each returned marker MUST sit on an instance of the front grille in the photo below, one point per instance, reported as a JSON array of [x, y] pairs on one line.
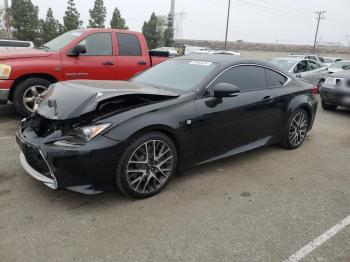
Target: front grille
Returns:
[[36, 161]]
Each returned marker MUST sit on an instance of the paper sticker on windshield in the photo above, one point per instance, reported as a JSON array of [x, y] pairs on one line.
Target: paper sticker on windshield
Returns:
[[202, 63]]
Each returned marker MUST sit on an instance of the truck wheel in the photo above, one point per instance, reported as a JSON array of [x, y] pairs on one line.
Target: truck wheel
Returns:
[[328, 107], [28, 94]]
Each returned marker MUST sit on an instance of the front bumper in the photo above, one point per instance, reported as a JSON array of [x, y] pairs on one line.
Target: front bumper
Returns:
[[335, 96], [88, 168], [5, 86]]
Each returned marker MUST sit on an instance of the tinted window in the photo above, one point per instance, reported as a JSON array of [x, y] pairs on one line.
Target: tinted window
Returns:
[[274, 79], [98, 44], [301, 67], [312, 65], [128, 45], [247, 78]]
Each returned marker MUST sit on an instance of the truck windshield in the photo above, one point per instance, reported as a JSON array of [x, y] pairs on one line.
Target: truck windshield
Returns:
[[179, 75], [62, 40]]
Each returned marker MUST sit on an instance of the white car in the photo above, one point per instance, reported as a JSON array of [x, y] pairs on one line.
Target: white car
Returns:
[[6, 44], [216, 52], [226, 52], [339, 66], [330, 60]]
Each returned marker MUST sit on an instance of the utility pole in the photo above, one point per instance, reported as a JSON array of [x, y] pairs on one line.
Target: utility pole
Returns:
[[6, 3], [227, 23], [319, 14]]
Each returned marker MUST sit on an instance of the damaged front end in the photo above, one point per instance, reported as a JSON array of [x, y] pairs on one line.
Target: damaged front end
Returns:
[[63, 144]]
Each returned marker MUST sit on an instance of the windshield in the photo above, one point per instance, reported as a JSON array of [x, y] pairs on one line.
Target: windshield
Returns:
[[340, 64], [283, 63], [62, 40], [328, 60], [181, 75]]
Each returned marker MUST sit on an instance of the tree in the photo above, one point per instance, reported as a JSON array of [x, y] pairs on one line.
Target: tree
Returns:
[[50, 27], [161, 27], [24, 20], [117, 21], [71, 18], [168, 36], [150, 31], [98, 15]]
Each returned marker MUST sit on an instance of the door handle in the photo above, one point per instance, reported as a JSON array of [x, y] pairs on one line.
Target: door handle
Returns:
[[141, 63], [108, 63], [267, 99]]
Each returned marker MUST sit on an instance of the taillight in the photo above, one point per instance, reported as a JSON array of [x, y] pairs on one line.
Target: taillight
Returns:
[[314, 90]]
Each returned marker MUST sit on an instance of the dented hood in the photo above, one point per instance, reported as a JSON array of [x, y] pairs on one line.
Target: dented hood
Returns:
[[71, 99]]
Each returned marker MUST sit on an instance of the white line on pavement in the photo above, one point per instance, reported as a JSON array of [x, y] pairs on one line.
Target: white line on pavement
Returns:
[[6, 137], [303, 252]]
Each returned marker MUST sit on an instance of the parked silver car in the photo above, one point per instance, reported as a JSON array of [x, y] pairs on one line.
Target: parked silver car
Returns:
[[339, 66], [311, 71], [314, 57], [331, 60]]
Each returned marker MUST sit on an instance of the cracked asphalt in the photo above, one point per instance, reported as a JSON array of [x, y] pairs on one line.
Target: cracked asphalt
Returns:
[[262, 205]]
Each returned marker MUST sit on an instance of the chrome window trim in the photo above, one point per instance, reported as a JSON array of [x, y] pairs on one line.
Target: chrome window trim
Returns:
[[252, 64]]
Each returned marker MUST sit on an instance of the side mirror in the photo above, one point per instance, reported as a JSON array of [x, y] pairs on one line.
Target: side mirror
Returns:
[[298, 75], [77, 50], [224, 90]]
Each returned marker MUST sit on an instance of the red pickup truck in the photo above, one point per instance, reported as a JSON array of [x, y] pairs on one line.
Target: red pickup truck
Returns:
[[105, 54]]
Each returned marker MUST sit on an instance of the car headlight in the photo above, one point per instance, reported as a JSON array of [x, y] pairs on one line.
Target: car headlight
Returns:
[[5, 71], [86, 133]]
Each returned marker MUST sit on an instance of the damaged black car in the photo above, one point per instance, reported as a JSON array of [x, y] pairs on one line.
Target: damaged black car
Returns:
[[91, 136]]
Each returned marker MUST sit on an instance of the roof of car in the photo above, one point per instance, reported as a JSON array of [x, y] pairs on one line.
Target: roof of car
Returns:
[[223, 59], [228, 60]]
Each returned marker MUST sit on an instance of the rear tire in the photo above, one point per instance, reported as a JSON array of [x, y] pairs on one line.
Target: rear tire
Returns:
[[153, 157], [327, 106], [296, 129], [23, 94]]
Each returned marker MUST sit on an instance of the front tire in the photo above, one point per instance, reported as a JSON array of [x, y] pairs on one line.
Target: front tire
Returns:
[[328, 107], [146, 166], [296, 129], [28, 94]]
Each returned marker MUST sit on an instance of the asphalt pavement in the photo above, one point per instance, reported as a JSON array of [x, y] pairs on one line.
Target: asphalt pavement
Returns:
[[262, 205]]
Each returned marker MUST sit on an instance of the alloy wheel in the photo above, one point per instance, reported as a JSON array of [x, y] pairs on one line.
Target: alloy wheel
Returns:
[[150, 166], [298, 129], [32, 97]]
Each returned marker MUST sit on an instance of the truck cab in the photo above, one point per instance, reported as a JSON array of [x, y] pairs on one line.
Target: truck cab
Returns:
[[99, 54]]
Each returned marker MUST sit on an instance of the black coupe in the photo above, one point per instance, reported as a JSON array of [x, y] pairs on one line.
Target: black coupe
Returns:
[[89, 136]]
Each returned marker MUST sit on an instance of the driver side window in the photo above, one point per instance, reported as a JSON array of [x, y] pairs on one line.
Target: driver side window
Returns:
[[98, 44], [301, 67]]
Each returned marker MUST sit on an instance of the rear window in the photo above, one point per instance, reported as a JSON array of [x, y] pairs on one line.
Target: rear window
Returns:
[[128, 45]]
